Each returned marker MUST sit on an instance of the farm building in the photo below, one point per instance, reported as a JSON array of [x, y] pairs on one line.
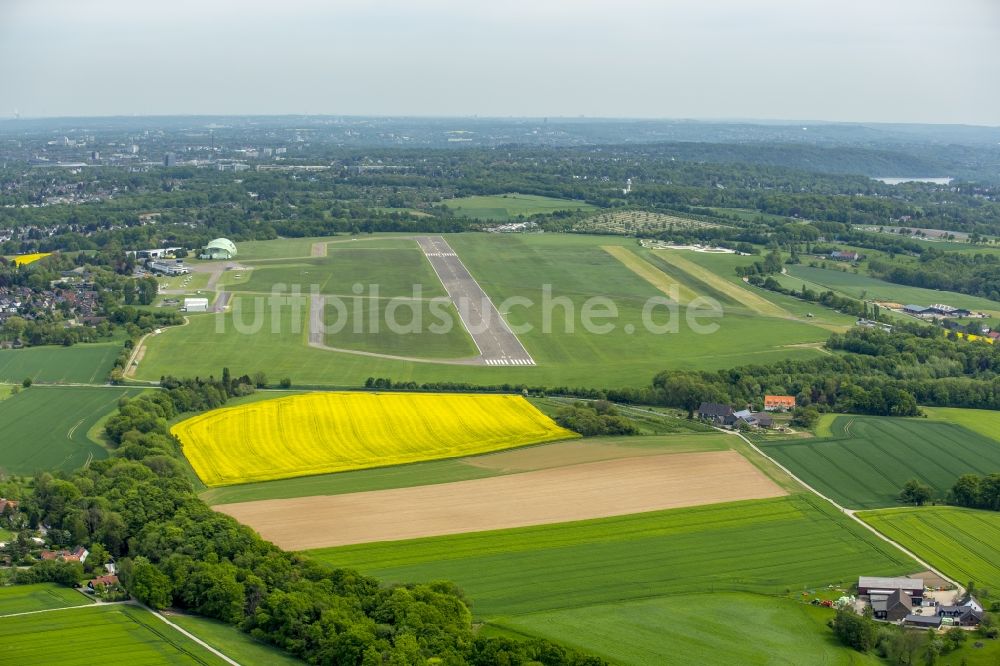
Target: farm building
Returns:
[[755, 419], [220, 248], [890, 607], [845, 256], [917, 310], [779, 403], [879, 586], [196, 304], [922, 621], [717, 413]]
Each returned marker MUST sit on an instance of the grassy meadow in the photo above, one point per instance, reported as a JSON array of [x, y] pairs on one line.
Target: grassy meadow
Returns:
[[81, 363], [869, 458], [45, 428], [395, 270], [794, 543], [113, 634], [575, 268], [232, 642], [963, 543], [502, 207], [349, 326]]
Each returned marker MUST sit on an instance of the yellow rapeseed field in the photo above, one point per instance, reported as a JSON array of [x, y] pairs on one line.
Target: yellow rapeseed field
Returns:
[[317, 433], [25, 259]]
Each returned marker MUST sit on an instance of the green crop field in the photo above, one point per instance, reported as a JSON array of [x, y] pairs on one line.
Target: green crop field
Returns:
[[82, 363], [454, 469], [869, 458], [232, 642], [764, 546], [502, 207], [688, 629], [963, 543], [574, 268], [38, 597], [863, 286], [45, 427], [984, 421], [115, 634]]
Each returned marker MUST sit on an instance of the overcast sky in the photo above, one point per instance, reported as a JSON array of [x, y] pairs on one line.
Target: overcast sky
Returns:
[[856, 60]]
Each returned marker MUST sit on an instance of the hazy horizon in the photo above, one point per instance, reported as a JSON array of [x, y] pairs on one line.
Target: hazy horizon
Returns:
[[728, 61]]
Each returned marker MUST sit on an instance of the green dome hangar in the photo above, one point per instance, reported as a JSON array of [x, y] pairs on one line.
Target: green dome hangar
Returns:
[[220, 248]]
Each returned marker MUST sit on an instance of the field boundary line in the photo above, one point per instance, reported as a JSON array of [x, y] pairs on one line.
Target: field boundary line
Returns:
[[63, 608], [851, 513], [191, 636]]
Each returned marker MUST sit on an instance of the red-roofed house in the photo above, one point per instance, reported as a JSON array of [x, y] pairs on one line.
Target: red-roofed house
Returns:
[[779, 403], [4, 503], [79, 554], [106, 581]]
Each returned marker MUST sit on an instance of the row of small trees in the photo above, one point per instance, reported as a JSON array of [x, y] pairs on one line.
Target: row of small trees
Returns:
[[970, 490]]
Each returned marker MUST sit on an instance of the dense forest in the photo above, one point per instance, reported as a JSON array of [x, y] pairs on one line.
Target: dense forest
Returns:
[[976, 274], [172, 549]]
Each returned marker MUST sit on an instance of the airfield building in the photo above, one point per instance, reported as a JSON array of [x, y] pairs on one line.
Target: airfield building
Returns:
[[168, 268], [196, 304], [220, 248]]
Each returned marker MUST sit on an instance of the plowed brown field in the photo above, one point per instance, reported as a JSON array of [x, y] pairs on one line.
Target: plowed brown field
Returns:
[[575, 492]]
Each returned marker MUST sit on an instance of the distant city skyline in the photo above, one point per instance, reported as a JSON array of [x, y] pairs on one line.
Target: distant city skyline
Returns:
[[917, 61]]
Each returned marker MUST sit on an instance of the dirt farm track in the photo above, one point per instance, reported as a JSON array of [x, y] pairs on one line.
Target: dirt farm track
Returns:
[[576, 492]]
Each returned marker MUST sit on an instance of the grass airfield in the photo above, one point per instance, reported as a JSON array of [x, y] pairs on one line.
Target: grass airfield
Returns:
[[558, 273]]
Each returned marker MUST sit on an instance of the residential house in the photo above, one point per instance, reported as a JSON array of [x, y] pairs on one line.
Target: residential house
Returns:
[[78, 554], [106, 581], [845, 256], [779, 403], [967, 612], [4, 503]]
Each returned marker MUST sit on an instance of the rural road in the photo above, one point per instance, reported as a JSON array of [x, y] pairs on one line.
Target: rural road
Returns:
[[194, 638], [848, 512], [496, 342]]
